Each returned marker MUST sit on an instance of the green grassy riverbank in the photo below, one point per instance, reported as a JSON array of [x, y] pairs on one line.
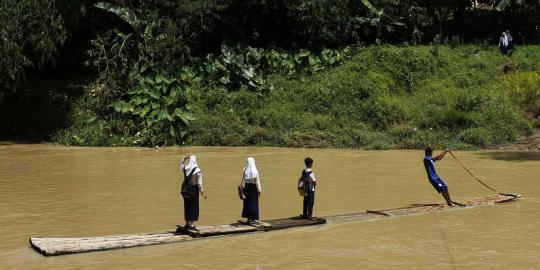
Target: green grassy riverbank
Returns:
[[382, 97]]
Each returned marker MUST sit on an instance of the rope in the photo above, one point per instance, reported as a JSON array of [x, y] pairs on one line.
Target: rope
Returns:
[[480, 181]]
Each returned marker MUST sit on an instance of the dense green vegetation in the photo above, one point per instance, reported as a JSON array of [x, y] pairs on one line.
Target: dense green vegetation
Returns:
[[31, 32], [340, 73], [380, 97]]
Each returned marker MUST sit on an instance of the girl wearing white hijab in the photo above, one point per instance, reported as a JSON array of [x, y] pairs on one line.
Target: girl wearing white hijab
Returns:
[[193, 177], [503, 43], [252, 191]]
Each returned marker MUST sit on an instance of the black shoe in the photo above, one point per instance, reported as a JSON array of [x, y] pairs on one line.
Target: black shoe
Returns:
[[193, 228]]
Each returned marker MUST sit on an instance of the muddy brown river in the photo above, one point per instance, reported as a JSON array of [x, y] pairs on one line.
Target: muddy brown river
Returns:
[[56, 191]]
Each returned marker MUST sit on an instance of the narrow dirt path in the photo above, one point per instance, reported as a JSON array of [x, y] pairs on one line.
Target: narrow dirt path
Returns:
[[527, 143]]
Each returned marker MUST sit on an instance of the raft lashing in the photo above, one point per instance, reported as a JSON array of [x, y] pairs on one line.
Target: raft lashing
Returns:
[[61, 246]]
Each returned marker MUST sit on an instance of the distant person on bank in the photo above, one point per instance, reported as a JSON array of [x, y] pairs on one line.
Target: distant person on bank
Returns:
[[503, 43], [510, 40], [306, 187], [252, 191], [191, 186], [434, 179]]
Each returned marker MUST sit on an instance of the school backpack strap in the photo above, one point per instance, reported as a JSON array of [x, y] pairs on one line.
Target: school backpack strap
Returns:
[[307, 180], [304, 183], [307, 177], [186, 191], [187, 177]]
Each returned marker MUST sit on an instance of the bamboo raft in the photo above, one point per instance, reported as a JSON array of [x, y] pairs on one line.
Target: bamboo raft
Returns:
[[61, 246]]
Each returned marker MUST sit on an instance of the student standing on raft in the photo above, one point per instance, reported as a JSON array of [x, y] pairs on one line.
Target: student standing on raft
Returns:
[[192, 185], [307, 183], [252, 191], [434, 179]]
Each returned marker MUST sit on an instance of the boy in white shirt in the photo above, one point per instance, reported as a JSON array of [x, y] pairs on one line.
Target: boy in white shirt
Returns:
[[309, 178]]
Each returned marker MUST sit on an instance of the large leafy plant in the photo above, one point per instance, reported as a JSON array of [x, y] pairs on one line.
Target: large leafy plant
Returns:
[[235, 68], [158, 105], [238, 67], [379, 20], [304, 61]]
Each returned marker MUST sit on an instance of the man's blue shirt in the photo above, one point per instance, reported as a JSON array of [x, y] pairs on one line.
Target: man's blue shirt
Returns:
[[429, 164]]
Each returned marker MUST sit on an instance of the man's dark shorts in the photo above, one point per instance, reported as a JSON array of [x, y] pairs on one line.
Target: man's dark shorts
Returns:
[[438, 184]]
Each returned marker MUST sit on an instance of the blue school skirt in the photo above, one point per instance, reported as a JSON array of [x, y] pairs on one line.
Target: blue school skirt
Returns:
[[191, 205], [251, 202], [438, 184]]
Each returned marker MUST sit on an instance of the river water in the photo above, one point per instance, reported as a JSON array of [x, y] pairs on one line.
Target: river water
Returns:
[[56, 191]]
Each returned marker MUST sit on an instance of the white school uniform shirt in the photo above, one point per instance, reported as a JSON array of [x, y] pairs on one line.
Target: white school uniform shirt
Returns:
[[312, 179], [255, 180], [197, 175]]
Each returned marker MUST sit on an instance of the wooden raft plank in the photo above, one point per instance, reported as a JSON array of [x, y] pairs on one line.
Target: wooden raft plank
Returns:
[[60, 246], [360, 216], [440, 207], [205, 231], [419, 209], [284, 223]]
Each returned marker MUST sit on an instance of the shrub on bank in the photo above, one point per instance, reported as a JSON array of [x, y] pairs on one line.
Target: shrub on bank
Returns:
[[524, 89]]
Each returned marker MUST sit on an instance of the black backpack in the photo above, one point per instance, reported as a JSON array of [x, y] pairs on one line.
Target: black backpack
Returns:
[[304, 185], [187, 191]]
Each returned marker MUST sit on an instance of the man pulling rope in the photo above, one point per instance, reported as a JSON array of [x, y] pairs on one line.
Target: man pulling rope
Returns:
[[434, 179], [438, 183]]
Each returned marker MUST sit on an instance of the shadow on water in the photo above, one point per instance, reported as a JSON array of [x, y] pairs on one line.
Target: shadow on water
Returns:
[[512, 155]]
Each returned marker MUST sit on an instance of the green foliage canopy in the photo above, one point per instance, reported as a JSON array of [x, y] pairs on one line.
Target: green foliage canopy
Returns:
[[31, 33]]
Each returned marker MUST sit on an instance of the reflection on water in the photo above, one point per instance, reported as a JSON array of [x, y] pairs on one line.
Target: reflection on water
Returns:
[[68, 191]]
